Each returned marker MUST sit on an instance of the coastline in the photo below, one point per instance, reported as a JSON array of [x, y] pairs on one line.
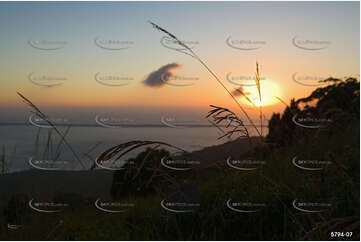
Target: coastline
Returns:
[[46, 184]]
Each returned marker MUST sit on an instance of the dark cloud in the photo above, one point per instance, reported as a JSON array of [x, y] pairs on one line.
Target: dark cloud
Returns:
[[160, 77], [239, 92]]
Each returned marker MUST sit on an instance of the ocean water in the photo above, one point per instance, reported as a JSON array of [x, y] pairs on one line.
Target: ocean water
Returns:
[[20, 143]]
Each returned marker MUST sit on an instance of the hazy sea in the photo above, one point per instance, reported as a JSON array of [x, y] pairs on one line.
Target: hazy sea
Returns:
[[19, 143]]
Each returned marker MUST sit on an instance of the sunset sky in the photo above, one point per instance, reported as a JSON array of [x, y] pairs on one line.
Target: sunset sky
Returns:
[[79, 26]]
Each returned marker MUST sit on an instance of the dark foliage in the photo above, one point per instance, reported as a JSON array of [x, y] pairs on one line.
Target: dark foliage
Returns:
[[338, 104]]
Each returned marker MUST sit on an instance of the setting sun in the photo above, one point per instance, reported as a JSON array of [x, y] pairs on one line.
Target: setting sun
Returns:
[[258, 103], [269, 92]]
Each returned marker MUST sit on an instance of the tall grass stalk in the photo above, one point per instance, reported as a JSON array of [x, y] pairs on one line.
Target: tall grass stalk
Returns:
[[3, 160], [195, 56], [257, 80], [41, 115]]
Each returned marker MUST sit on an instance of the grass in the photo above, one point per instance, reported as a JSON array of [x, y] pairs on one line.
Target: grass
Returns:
[[276, 184], [188, 51], [42, 116]]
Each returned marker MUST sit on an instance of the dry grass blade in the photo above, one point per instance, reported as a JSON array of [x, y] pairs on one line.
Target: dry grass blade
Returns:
[[221, 115], [195, 56], [58, 148], [44, 117], [287, 106], [163, 30], [245, 96], [48, 147], [123, 149], [3, 160], [258, 80], [282, 101], [27, 101], [173, 37]]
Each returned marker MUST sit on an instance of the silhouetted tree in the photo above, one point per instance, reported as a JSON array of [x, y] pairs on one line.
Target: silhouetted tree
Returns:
[[338, 102]]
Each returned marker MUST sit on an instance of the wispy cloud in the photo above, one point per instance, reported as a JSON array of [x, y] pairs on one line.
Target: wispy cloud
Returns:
[[160, 77]]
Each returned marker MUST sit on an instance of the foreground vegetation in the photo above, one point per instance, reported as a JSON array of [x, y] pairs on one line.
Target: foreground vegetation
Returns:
[[329, 138], [276, 184]]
